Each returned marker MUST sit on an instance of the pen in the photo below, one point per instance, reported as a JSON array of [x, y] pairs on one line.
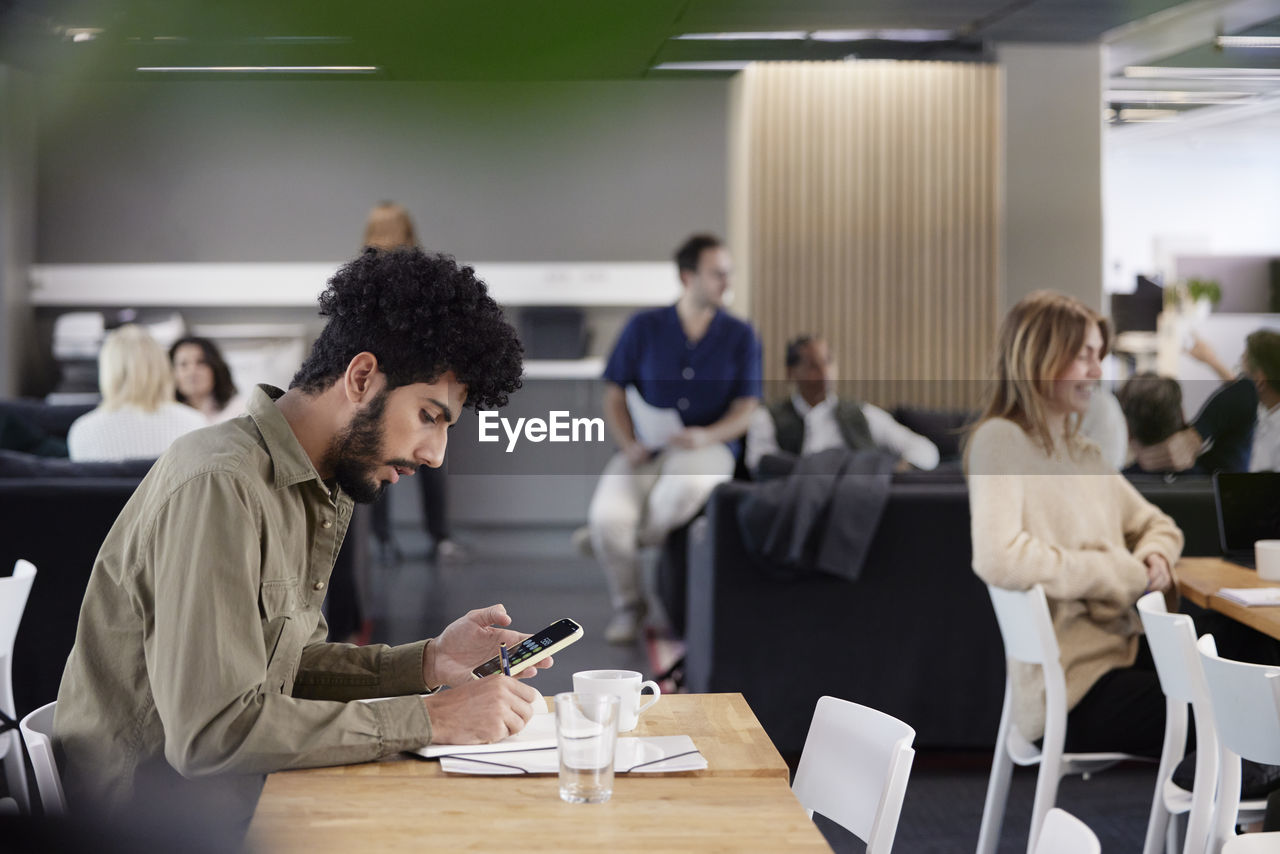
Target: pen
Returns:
[[506, 662]]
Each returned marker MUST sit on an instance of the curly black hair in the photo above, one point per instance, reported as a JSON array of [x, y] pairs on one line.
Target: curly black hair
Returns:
[[421, 314]]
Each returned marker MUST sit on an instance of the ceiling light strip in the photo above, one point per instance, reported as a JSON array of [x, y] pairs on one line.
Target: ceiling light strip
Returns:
[[718, 65], [1248, 41], [261, 69], [1162, 71]]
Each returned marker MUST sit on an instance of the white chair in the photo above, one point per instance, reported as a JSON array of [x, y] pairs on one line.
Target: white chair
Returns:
[[13, 601], [1063, 833], [1172, 639], [1027, 631], [37, 732], [1247, 721], [854, 770]]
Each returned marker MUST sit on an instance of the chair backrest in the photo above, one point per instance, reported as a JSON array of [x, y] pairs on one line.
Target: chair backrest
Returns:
[[1172, 640], [1063, 833], [1025, 625], [854, 770], [1244, 715], [37, 732], [14, 591]]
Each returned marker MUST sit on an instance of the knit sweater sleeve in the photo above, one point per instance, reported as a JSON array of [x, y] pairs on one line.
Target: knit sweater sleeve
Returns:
[[1006, 553]]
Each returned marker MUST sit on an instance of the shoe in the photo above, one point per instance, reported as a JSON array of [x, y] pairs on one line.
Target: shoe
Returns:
[[448, 551], [581, 539], [624, 628]]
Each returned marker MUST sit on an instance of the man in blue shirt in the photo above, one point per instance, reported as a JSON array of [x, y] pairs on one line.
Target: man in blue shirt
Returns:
[[695, 375]]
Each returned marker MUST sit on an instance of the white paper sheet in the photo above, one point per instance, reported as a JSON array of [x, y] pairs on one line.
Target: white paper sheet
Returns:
[[654, 427], [1251, 596], [654, 754], [539, 733]]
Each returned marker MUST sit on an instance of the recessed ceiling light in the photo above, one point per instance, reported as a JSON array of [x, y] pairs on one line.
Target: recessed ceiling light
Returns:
[[1202, 73], [262, 69], [81, 34], [784, 35], [1248, 41], [1136, 115], [891, 35], [718, 65]]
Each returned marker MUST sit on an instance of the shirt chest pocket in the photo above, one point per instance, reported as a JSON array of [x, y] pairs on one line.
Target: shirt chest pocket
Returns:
[[285, 630]]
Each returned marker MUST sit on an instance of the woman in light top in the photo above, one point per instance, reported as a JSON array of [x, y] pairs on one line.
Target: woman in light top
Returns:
[[138, 417], [203, 379], [1048, 509]]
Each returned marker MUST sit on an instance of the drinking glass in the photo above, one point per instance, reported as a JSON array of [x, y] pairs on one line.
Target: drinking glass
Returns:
[[586, 735]]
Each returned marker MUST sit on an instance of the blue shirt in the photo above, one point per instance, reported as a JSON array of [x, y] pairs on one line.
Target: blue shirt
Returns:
[[698, 379]]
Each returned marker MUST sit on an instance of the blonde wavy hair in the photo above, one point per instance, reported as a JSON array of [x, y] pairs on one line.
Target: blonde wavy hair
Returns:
[[1038, 339], [389, 226], [133, 370]]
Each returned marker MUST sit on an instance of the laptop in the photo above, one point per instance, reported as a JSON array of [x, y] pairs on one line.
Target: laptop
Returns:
[[1248, 510]]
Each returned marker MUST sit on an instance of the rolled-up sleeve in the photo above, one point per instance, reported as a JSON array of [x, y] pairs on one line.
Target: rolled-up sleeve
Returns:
[[226, 646]]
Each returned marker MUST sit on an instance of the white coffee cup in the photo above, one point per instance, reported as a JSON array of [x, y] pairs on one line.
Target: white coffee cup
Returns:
[[626, 685], [1266, 554]]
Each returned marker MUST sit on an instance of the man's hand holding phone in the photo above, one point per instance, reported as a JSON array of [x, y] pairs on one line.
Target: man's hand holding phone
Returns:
[[467, 642], [480, 711]]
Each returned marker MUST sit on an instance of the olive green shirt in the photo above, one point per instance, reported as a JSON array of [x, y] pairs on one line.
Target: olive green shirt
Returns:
[[200, 663]]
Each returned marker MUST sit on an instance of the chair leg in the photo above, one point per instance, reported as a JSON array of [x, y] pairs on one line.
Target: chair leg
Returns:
[[1159, 829], [15, 771], [997, 798], [1046, 794]]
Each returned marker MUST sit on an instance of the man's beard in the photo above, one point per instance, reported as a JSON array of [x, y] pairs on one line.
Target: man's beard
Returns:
[[355, 454]]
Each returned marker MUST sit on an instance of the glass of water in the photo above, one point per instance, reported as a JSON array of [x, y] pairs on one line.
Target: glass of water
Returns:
[[586, 734]]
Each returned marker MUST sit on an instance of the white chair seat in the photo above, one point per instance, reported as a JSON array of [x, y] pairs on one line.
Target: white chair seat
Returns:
[[14, 591], [1253, 843], [1063, 833]]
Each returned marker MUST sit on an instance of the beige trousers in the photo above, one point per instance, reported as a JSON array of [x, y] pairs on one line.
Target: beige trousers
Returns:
[[634, 507]]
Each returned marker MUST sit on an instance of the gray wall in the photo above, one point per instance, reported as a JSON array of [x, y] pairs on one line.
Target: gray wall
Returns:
[[282, 171], [17, 216]]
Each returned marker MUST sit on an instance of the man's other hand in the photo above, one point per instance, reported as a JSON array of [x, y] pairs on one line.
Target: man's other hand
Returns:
[[481, 711], [1176, 453], [692, 438], [1159, 576], [468, 642]]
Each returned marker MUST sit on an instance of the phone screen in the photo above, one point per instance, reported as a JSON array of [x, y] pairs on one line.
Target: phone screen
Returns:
[[529, 647]]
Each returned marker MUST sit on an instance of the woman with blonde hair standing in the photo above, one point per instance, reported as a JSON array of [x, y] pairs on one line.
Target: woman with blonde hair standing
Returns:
[[1048, 509], [138, 417]]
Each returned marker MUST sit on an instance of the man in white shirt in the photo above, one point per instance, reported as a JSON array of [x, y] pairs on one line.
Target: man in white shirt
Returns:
[[1262, 365], [814, 419]]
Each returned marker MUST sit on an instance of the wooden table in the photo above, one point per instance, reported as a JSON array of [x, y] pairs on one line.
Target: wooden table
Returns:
[[741, 802], [1200, 578]]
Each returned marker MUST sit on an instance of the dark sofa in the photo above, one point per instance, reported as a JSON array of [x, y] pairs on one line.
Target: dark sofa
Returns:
[[914, 636], [56, 514]]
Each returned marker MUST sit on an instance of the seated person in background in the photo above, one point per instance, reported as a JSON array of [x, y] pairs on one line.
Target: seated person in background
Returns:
[[1152, 407], [814, 419], [138, 417], [1220, 437], [1047, 509], [200, 663], [697, 360], [203, 379], [1262, 365]]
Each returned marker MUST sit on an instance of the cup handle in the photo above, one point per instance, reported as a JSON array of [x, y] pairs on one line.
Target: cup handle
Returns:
[[657, 693]]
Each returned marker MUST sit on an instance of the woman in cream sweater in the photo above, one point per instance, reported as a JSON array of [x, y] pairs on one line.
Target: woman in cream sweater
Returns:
[[1047, 509]]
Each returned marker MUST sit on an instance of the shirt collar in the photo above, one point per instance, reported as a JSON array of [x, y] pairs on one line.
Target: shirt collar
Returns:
[[803, 408], [290, 461]]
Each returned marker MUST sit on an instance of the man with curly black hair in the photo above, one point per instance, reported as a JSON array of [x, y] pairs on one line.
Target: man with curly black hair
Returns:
[[200, 662]]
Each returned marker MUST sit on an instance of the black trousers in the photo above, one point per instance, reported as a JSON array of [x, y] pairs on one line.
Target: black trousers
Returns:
[[1125, 709], [435, 509]]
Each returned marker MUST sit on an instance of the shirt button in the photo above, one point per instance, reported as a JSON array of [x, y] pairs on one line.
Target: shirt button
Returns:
[[682, 403], [327, 523], [687, 373], [319, 585]]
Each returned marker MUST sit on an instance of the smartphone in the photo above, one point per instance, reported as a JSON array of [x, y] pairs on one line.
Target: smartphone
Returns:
[[533, 649]]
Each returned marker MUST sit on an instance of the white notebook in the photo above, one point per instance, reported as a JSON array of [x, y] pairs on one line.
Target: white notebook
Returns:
[[650, 754], [1251, 595]]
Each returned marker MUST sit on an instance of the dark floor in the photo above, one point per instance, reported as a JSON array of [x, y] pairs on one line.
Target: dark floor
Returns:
[[538, 576]]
